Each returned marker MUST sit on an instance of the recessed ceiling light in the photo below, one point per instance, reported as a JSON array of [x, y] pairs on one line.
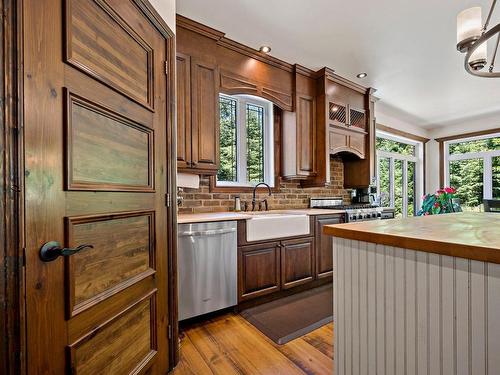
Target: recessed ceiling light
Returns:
[[265, 49], [361, 75]]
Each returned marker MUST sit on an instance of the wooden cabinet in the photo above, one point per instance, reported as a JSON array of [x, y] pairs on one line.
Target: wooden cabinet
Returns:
[[197, 115], [269, 267], [297, 262], [258, 270], [323, 245]]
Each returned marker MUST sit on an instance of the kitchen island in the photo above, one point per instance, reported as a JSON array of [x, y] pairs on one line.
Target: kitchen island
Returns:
[[418, 295]]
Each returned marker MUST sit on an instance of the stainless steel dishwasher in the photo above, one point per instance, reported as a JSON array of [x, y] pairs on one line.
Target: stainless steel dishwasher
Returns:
[[207, 267]]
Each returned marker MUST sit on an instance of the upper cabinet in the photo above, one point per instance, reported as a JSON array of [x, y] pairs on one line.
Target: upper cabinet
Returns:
[[317, 114], [197, 115]]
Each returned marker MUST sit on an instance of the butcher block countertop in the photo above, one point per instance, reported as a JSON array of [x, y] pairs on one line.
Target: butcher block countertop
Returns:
[[473, 236], [228, 216]]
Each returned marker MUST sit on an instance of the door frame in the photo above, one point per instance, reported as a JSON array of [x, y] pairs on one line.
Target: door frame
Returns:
[[12, 287]]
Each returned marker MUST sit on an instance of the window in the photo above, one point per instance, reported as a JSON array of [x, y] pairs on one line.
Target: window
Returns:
[[245, 141], [472, 166], [399, 173]]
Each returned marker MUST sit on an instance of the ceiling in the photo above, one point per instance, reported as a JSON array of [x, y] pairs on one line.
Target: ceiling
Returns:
[[406, 47]]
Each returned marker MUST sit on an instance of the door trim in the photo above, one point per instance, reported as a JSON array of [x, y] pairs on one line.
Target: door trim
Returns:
[[12, 304]]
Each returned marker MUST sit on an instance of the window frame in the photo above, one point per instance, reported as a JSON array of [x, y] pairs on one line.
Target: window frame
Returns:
[[417, 158], [241, 140], [486, 157]]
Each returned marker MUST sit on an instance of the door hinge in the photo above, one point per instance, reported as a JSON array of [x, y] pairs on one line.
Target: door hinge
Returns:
[[169, 332], [166, 67], [167, 200]]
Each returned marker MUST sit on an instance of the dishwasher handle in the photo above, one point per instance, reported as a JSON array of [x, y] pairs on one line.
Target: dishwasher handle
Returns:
[[209, 232]]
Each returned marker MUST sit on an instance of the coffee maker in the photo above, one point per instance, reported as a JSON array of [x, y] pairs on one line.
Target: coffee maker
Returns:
[[365, 195]]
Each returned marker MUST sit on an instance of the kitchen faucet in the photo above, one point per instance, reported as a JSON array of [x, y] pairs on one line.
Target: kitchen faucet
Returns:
[[255, 191]]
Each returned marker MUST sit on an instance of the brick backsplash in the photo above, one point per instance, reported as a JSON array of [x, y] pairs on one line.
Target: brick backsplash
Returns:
[[289, 196]]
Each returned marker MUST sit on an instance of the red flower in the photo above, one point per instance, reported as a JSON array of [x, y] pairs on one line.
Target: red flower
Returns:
[[436, 204], [450, 190]]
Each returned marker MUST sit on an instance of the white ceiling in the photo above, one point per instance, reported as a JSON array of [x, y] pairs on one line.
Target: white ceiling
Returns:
[[406, 47]]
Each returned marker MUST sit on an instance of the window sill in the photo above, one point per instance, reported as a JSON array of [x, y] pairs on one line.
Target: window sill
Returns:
[[238, 188]]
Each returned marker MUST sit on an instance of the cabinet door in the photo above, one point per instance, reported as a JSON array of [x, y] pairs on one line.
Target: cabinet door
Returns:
[[306, 135], [297, 262], [258, 270], [204, 115], [324, 245], [183, 111]]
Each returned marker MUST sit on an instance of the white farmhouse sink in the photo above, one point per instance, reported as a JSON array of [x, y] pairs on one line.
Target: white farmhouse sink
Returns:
[[277, 225]]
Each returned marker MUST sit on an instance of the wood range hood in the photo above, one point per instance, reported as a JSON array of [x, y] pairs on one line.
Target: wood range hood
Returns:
[[340, 114]]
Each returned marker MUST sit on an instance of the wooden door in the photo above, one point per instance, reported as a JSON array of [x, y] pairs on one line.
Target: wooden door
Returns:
[[258, 270], [297, 265], [324, 246], [95, 174], [205, 116], [183, 111]]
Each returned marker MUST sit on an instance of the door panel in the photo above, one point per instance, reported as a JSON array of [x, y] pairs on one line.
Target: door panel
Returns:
[[95, 173], [123, 345], [258, 270], [183, 110], [123, 253], [106, 151], [205, 115], [324, 246], [297, 262], [306, 135], [119, 57]]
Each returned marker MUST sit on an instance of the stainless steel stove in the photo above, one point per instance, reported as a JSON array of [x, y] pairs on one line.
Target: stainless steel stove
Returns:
[[354, 212]]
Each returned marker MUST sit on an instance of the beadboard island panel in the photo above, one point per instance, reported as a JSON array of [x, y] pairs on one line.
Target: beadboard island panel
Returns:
[[402, 311]]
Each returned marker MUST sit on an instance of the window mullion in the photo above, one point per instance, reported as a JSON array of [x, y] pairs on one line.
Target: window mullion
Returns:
[[391, 182], [377, 173], [242, 143], [487, 178], [404, 189]]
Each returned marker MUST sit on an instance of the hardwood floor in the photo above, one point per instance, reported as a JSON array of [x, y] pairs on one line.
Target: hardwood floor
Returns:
[[228, 344]]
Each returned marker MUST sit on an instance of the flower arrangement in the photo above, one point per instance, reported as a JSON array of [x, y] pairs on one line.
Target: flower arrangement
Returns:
[[440, 202]]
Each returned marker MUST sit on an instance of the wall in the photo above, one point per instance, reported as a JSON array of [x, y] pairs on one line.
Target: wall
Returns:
[[290, 194], [166, 9]]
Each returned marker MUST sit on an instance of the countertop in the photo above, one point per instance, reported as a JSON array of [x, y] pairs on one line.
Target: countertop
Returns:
[[467, 235], [228, 216]]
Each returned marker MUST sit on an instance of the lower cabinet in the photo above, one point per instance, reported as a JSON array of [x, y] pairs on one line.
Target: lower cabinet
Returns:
[[272, 266], [324, 245], [297, 262], [269, 267], [258, 270]]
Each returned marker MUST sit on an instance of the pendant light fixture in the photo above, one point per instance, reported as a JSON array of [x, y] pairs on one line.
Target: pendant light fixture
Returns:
[[472, 39]]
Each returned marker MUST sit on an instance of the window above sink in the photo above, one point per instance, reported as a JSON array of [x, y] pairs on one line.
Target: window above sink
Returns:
[[245, 141]]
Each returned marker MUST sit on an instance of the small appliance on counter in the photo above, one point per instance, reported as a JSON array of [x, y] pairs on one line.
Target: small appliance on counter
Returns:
[[365, 195], [355, 211]]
